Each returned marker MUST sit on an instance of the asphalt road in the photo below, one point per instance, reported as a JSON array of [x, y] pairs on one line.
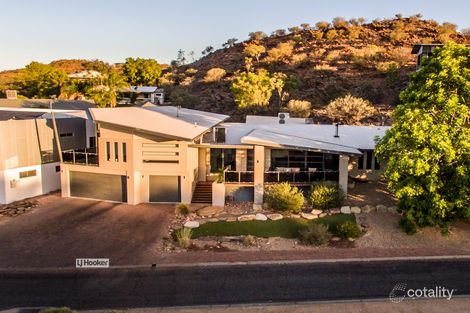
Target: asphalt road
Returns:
[[147, 287]]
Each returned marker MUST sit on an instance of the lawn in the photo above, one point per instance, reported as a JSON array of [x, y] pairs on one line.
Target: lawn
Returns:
[[286, 228]]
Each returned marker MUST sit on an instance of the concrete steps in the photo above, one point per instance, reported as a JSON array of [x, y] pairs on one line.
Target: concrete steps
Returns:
[[202, 193]]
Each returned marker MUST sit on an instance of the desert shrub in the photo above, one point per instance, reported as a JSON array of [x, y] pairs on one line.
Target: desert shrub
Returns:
[[299, 58], [282, 52], [325, 67], [333, 55], [348, 229], [187, 81], [446, 30], [365, 56], [353, 32], [400, 55], [252, 88], [183, 236], [258, 35], [349, 109], [385, 67], [181, 97], [322, 26], [305, 26], [299, 108], [294, 29], [284, 197], [249, 241], [57, 310], [325, 195], [182, 209], [279, 32], [316, 234], [191, 71], [317, 35], [407, 226], [340, 22], [331, 34], [214, 74], [254, 50], [398, 35]]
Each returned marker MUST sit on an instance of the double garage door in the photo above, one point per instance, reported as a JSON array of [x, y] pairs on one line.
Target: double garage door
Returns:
[[114, 187], [98, 186]]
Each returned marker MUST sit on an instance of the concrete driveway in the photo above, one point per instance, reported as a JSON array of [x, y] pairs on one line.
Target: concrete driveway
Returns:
[[60, 230]]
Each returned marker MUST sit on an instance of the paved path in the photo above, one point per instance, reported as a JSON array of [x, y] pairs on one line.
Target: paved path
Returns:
[[61, 230], [146, 287]]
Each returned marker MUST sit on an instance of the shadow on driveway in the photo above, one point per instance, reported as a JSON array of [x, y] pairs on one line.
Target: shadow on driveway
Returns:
[[60, 230]]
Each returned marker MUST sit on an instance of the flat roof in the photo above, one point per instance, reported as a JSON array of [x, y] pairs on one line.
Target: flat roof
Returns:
[[167, 121]]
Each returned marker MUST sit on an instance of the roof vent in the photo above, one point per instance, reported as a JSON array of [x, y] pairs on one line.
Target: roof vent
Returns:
[[282, 117], [309, 120], [336, 130]]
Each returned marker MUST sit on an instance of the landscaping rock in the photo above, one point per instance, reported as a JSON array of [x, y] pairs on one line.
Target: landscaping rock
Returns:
[[392, 209], [345, 209], [275, 216], [322, 214], [308, 216], [367, 208], [294, 216], [248, 217], [381, 208], [316, 212], [231, 219], [261, 217], [213, 219], [335, 211], [210, 210], [257, 207], [355, 210], [335, 238], [191, 224]]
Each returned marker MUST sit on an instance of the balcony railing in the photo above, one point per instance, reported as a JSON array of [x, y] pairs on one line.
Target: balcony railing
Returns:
[[238, 176], [80, 157], [300, 176]]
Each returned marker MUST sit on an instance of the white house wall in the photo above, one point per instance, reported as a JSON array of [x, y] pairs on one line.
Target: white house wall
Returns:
[[46, 180]]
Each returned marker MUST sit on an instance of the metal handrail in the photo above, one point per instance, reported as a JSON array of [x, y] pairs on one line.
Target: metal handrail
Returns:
[[81, 158], [298, 177]]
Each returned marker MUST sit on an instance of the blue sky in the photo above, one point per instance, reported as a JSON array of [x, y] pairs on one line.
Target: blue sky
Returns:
[[113, 30]]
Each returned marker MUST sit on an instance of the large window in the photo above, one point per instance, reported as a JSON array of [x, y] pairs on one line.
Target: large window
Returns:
[[124, 152], [108, 151], [222, 158], [250, 159], [304, 160], [220, 135], [116, 152]]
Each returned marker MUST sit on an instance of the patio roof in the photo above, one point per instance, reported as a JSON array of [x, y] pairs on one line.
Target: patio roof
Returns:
[[278, 140]]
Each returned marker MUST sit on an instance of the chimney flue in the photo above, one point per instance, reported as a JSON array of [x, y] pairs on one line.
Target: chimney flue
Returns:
[[336, 130]]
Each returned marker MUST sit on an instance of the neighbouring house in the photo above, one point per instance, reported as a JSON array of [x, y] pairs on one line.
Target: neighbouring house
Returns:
[[170, 154], [29, 155], [142, 94], [423, 50]]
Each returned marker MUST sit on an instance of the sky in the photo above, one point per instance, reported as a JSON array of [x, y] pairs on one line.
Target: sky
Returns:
[[110, 30]]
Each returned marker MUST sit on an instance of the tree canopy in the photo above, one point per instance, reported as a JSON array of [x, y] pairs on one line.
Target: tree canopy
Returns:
[[252, 88], [141, 71], [38, 80], [428, 147]]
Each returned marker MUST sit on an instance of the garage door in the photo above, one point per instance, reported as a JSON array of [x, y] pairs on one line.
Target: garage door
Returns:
[[98, 186], [165, 188]]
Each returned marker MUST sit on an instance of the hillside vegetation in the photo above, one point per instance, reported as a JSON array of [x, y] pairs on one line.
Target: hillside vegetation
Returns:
[[311, 70]]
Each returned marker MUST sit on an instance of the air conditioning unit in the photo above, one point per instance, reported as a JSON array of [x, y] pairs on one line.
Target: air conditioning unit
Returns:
[[309, 120], [282, 117]]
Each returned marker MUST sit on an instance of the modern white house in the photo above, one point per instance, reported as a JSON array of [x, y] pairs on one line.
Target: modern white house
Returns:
[[168, 154], [143, 94], [29, 155]]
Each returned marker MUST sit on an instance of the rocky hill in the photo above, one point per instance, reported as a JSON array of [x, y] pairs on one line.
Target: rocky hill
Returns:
[[372, 61]]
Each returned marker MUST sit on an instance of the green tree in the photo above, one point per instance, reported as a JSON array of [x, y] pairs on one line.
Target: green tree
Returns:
[[428, 147], [252, 88], [141, 71], [254, 50], [278, 81], [38, 80], [105, 89]]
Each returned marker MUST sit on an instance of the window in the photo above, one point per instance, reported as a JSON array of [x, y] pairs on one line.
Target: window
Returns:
[[57, 168], [108, 151], [66, 135], [304, 160], [116, 151], [223, 158], [368, 160], [220, 135], [124, 152], [250, 157], [92, 142], [26, 174], [360, 162]]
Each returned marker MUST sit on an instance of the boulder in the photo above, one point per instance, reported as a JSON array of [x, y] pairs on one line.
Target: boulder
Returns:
[[248, 217], [294, 216], [261, 217], [191, 224], [231, 219], [275, 216], [345, 209], [308, 216], [316, 212], [355, 209], [392, 209], [381, 208], [335, 238], [210, 210], [322, 214], [368, 208], [335, 211]]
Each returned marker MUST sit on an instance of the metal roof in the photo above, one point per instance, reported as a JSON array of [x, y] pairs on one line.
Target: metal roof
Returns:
[[280, 140], [167, 121]]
